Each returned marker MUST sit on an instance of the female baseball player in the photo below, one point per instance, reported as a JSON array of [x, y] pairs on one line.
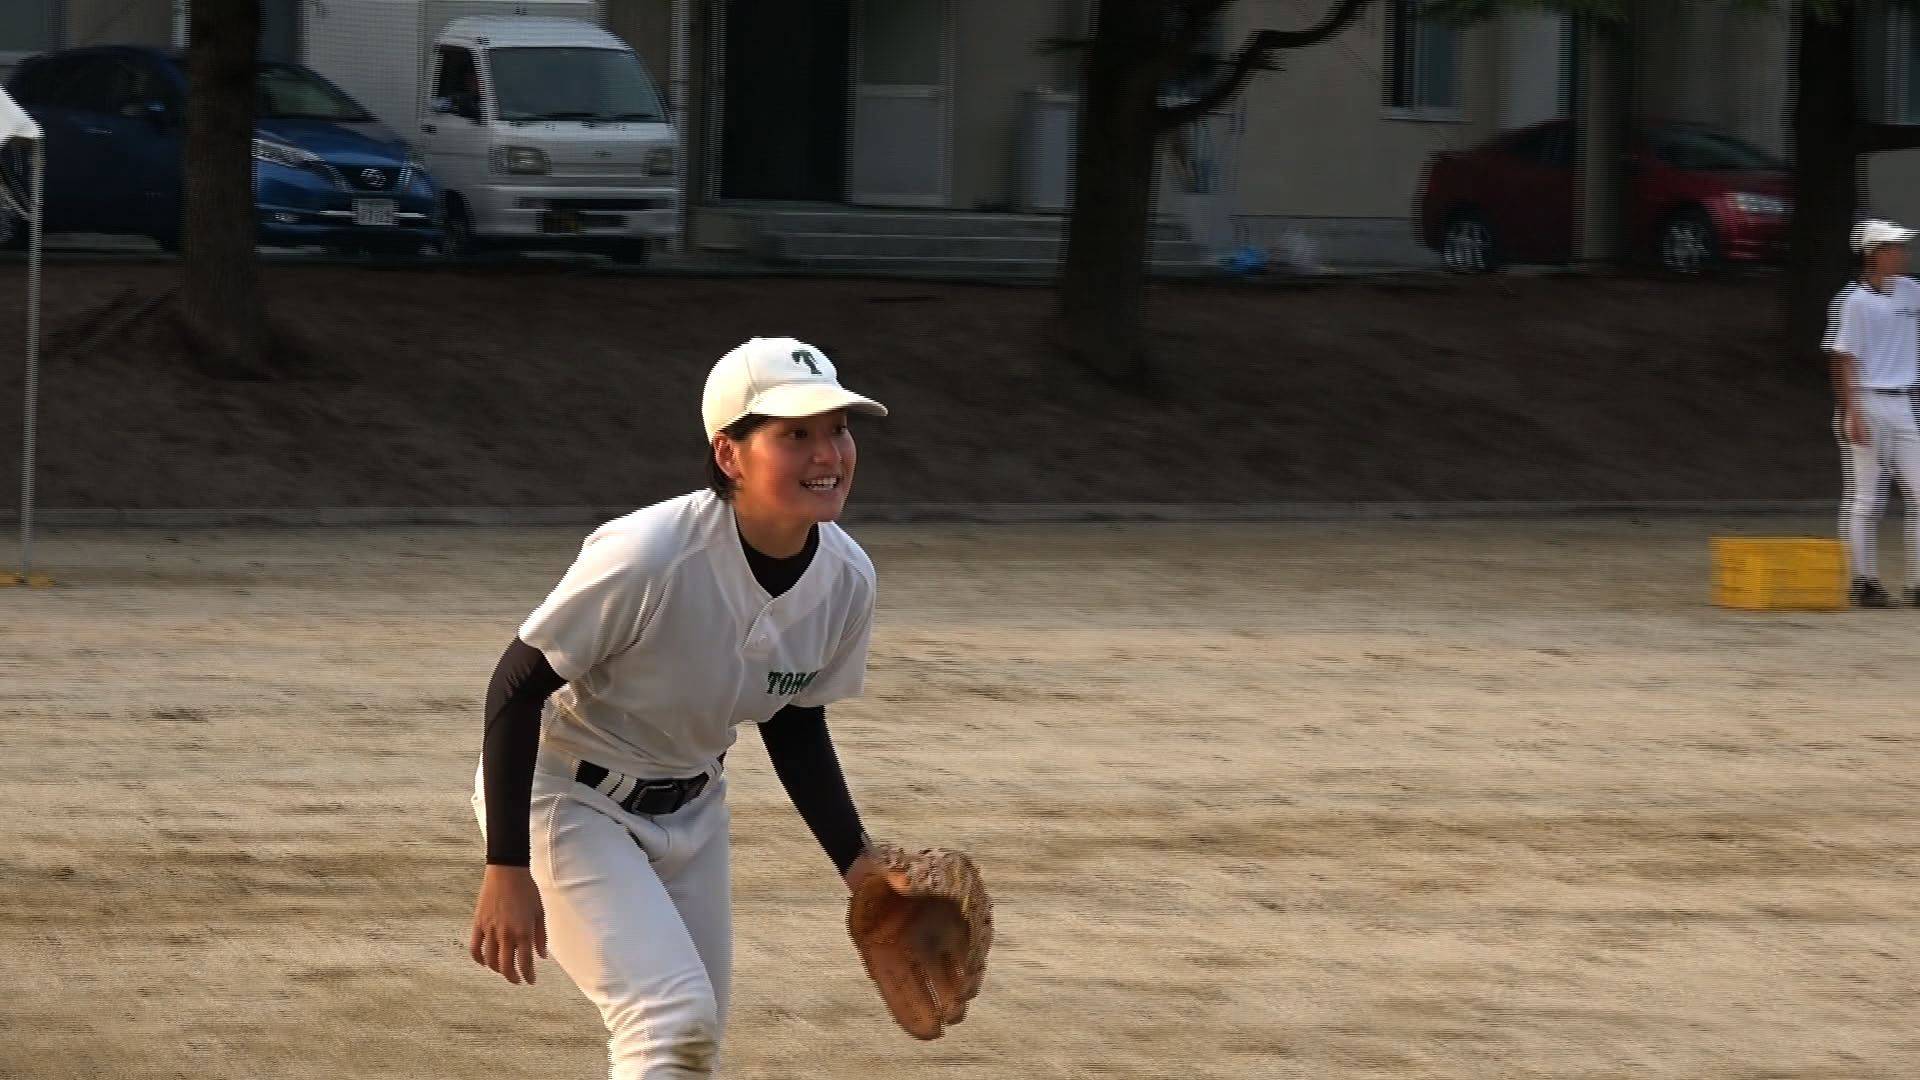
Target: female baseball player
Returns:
[[601, 791], [1873, 340]]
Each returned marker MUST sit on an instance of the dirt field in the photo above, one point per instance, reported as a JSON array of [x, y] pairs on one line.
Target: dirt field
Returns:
[[1334, 801]]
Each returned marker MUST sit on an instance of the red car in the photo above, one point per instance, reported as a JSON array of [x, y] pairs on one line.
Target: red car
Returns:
[[1700, 197]]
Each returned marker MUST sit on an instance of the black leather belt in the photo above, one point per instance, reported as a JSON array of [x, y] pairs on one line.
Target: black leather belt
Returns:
[[651, 797]]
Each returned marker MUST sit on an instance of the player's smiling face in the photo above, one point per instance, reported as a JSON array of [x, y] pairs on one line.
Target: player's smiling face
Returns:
[[796, 470]]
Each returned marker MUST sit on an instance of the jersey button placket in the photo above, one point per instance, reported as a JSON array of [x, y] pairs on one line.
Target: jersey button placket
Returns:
[[756, 631]]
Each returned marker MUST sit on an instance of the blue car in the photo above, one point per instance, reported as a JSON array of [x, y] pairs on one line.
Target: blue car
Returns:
[[325, 171]]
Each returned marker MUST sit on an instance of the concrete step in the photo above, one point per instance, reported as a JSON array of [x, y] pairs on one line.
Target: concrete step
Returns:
[[931, 223], [802, 247]]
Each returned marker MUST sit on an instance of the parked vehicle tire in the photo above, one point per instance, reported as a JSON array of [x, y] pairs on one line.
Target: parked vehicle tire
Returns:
[[1467, 245], [456, 229], [1688, 245]]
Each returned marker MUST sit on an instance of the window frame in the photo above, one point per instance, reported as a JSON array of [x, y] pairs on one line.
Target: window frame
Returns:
[[101, 70], [56, 33], [444, 53], [1395, 11], [1899, 68]]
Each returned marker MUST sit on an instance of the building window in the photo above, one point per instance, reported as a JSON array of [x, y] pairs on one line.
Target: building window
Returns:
[[1902, 70], [1568, 72], [1423, 64], [27, 27]]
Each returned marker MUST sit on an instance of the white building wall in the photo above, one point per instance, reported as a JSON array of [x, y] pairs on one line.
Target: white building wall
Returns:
[[1531, 43]]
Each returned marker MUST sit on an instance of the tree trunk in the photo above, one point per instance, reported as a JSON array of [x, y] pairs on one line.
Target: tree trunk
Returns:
[[1624, 56], [1103, 280], [1826, 177], [1605, 119], [221, 302]]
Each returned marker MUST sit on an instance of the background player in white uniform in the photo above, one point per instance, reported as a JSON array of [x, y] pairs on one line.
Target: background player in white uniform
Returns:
[[1873, 339], [601, 790]]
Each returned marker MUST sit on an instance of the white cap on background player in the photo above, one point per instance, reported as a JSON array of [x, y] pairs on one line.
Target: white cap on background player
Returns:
[[776, 377], [1872, 233]]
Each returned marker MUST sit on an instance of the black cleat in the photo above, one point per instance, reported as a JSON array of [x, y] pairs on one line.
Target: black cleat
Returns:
[[1868, 593]]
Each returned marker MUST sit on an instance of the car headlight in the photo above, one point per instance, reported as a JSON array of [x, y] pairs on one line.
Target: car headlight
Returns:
[[525, 160], [1749, 203], [279, 153], [660, 161], [288, 156]]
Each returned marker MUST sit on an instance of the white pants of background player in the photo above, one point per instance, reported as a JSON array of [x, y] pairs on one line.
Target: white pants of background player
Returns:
[[1893, 445], [639, 915]]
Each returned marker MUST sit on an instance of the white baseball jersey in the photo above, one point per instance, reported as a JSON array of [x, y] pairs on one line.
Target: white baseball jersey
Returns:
[[1881, 331], [668, 642]]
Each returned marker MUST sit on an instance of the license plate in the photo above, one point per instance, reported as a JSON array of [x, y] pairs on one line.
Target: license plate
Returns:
[[560, 221], [374, 211]]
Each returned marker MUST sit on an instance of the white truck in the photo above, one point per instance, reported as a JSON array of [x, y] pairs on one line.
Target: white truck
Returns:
[[543, 130]]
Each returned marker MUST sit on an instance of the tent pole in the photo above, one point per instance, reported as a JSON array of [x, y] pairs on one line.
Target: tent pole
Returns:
[[33, 358]]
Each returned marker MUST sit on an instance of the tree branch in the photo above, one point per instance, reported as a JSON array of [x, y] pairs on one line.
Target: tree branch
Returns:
[[1336, 21], [1202, 10], [1253, 57]]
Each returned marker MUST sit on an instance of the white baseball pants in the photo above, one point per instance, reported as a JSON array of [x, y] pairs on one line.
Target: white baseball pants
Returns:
[[639, 915], [1893, 449]]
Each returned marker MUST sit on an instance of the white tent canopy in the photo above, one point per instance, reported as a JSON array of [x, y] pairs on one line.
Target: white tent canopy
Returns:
[[16, 124]]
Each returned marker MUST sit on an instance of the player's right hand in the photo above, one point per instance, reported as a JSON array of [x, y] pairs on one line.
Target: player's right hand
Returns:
[[1856, 427], [509, 925]]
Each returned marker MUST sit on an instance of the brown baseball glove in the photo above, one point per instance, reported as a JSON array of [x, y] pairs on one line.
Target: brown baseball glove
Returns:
[[923, 925]]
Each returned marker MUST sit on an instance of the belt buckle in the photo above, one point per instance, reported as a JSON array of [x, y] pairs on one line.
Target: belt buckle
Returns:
[[655, 797]]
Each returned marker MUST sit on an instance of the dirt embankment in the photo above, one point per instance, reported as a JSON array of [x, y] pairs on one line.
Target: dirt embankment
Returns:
[[544, 386]]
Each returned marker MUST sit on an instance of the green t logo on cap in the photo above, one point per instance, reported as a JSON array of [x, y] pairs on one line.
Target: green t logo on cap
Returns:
[[802, 356]]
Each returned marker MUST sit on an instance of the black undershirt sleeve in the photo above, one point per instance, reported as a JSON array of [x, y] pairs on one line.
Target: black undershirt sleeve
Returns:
[[802, 754], [522, 682], [796, 738]]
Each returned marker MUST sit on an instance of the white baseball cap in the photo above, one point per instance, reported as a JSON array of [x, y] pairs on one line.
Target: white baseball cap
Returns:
[[776, 377], [1871, 234]]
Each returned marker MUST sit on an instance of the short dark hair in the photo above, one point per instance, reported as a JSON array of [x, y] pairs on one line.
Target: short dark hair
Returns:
[[717, 480]]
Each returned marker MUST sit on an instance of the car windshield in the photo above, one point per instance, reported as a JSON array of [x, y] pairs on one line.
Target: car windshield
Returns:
[[292, 93], [1701, 150], [573, 84]]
